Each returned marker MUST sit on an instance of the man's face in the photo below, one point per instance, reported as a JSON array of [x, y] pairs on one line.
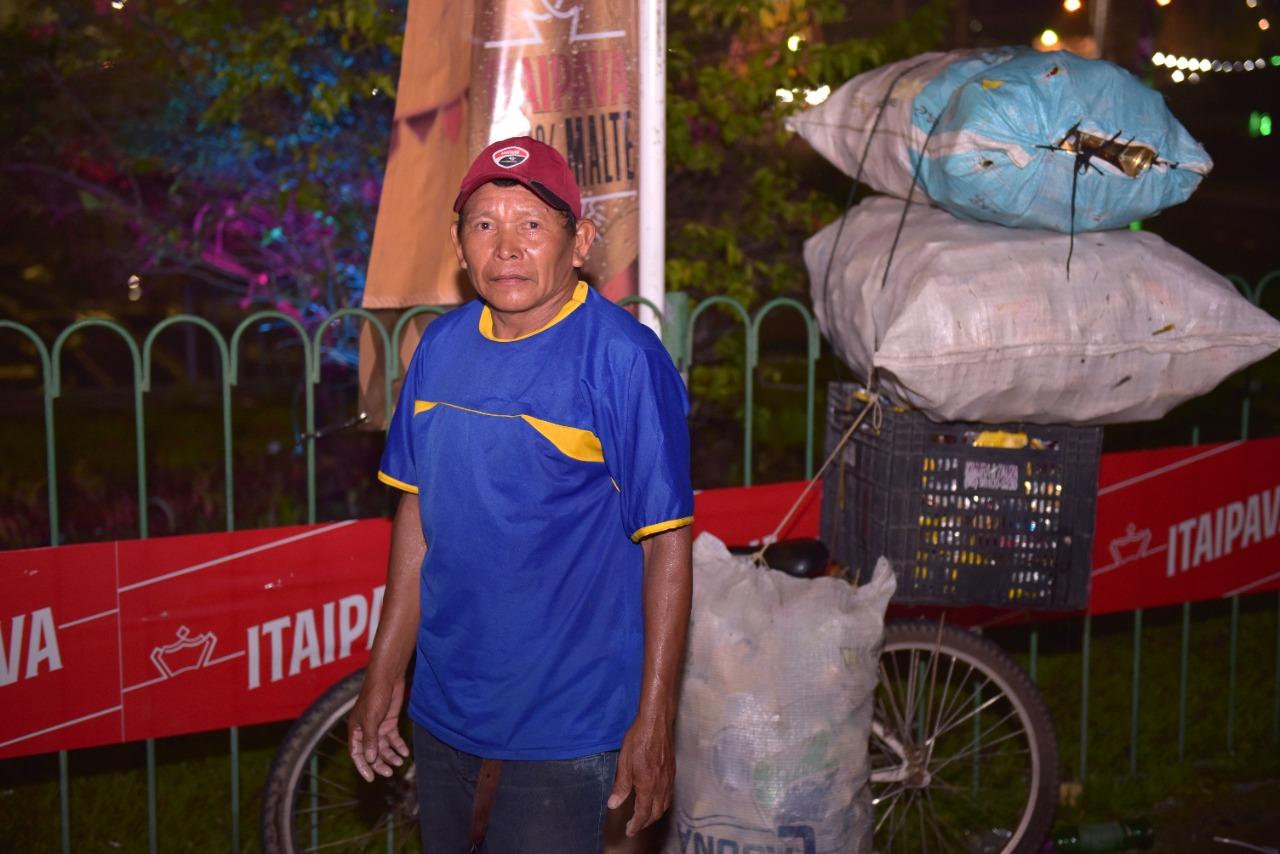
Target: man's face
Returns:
[[518, 253]]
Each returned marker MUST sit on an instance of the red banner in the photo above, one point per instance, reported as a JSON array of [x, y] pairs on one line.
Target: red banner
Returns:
[[120, 641], [1185, 524]]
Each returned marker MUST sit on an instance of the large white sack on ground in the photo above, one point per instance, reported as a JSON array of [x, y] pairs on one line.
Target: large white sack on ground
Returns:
[[775, 709], [980, 322], [1006, 123]]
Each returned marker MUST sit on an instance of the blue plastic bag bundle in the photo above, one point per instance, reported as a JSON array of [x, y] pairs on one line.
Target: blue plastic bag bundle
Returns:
[[1011, 136]]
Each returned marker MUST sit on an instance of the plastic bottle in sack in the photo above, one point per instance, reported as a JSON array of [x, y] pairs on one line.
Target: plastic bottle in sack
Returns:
[[1103, 837]]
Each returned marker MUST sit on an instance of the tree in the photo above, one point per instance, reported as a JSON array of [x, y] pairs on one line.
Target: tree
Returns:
[[742, 192], [235, 144]]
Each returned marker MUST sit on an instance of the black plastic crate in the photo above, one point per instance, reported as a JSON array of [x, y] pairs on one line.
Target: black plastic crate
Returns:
[[962, 523]]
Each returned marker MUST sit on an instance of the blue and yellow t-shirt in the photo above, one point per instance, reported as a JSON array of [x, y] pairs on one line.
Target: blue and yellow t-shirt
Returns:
[[539, 463]]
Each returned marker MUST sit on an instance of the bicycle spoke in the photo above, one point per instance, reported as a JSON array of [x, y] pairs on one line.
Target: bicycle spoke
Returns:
[[939, 827], [995, 698], [378, 830], [318, 809], [965, 812], [948, 708], [909, 700], [968, 753], [944, 704], [963, 693], [890, 809], [1013, 713], [342, 787], [920, 809], [889, 795], [896, 815], [887, 685]]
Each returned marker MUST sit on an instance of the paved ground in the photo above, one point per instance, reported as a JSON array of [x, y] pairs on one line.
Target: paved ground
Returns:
[[1247, 812]]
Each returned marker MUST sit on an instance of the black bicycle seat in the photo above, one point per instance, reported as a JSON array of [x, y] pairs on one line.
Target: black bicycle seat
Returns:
[[801, 558]]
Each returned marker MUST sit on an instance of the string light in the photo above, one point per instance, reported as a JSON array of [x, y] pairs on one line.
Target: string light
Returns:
[[814, 97], [1190, 68], [1264, 24], [1048, 38], [1072, 5]]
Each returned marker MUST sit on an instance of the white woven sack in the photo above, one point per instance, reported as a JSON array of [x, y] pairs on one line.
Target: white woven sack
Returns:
[[838, 129], [980, 322], [775, 709]]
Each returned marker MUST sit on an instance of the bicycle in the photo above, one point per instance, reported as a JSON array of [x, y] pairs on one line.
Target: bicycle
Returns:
[[963, 751]]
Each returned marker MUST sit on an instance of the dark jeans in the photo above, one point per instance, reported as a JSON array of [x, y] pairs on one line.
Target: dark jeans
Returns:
[[541, 807]]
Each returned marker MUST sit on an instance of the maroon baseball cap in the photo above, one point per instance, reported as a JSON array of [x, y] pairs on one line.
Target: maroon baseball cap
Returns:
[[534, 164]]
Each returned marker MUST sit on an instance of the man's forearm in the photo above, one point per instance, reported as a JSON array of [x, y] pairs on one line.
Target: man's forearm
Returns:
[[668, 591], [398, 625]]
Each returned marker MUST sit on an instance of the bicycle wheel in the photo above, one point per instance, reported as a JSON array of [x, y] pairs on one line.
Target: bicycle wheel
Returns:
[[963, 752], [315, 801]]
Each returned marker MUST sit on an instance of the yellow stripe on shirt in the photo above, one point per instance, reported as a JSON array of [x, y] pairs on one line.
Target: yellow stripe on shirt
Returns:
[[398, 484], [660, 528]]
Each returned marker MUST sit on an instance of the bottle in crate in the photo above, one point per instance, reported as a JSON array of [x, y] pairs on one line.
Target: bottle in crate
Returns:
[[968, 514]]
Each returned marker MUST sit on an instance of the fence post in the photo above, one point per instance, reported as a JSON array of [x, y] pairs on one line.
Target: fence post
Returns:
[[675, 328], [1084, 699], [1135, 692], [812, 349], [747, 366]]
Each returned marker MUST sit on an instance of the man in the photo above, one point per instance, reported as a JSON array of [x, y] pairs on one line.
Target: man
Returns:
[[540, 555]]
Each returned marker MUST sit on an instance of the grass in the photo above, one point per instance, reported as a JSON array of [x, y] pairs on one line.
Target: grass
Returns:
[[1125, 775], [108, 795]]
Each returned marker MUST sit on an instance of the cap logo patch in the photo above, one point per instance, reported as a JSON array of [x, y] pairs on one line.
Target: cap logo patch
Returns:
[[510, 157]]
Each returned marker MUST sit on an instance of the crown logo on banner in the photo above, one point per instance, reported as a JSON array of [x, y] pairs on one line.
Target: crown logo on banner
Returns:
[[186, 653], [1131, 546]]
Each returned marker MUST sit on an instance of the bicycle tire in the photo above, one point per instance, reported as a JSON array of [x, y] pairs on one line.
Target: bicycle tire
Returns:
[[304, 809], [1002, 798]]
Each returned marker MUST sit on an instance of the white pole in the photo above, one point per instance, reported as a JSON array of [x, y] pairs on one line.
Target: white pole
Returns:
[[1101, 12], [653, 157]]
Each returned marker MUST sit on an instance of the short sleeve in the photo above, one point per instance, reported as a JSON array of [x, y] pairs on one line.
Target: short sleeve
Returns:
[[644, 434], [397, 466]]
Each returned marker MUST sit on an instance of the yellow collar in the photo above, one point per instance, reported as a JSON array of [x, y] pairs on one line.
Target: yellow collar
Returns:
[[578, 298]]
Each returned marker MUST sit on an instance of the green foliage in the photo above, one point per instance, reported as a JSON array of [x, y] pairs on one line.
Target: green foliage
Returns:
[[239, 144], [737, 202], [742, 192]]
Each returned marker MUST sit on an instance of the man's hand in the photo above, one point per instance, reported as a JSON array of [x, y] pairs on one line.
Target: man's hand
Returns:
[[647, 764], [647, 760], [377, 711], [373, 733]]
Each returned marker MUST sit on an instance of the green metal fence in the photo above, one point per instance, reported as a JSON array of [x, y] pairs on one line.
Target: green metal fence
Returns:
[[680, 325]]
